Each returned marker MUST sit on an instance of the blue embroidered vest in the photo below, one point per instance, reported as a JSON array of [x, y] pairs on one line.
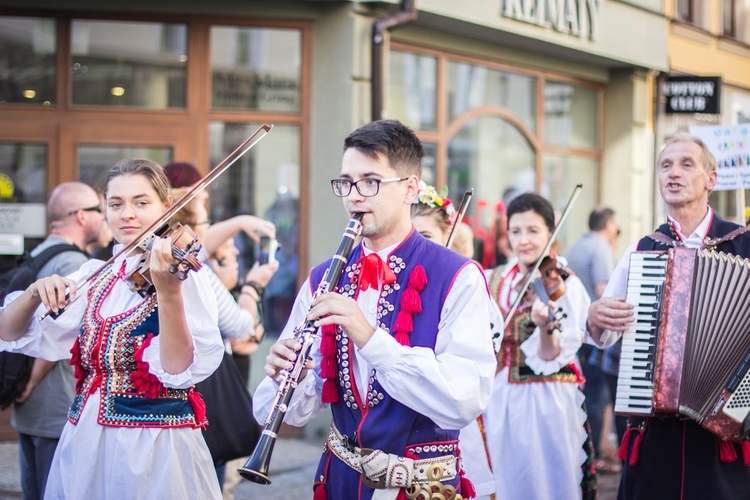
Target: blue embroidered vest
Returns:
[[105, 357], [380, 422]]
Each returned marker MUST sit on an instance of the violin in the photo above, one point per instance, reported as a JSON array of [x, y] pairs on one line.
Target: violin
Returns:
[[550, 286], [185, 248]]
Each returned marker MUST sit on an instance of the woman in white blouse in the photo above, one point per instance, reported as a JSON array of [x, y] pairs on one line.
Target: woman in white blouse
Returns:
[[134, 429]]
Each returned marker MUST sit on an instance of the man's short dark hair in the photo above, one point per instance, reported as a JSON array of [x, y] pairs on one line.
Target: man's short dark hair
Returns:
[[599, 218], [392, 139]]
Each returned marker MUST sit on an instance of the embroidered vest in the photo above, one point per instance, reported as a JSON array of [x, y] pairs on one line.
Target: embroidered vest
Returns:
[[517, 331], [738, 246], [107, 355], [380, 422]]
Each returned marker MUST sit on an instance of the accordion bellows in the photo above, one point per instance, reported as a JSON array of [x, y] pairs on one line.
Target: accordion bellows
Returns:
[[688, 352]]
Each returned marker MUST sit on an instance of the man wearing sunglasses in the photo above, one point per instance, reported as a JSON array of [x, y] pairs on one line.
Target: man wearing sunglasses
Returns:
[[75, 216], [408, 357]]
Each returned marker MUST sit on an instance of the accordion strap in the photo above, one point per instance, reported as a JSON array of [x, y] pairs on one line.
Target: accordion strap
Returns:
[[714, 242], [664, 239]]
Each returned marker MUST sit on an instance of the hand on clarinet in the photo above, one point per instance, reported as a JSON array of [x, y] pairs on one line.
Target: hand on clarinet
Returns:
[[335, 309], [282, 357], [609, 313]]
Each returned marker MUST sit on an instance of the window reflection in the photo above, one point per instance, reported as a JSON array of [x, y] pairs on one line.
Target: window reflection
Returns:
[[561, 174], [96, 161], [493, 157], [264, 183], [28, 52], [571, 115], [126, 63], [471, 86], [256, 68], [412, 89], [23, 172]]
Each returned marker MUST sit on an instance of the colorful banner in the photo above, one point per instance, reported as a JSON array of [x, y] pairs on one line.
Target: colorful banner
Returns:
[[731, 147]]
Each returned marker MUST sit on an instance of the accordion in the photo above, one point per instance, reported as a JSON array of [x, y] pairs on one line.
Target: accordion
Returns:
[[687, 353]]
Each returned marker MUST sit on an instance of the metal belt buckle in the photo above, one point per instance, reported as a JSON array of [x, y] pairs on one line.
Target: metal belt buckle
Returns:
[[374, 484]]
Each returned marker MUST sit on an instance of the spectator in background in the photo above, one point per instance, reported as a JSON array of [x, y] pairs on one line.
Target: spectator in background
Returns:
[[592, 259], [463, 241], [39, 415]]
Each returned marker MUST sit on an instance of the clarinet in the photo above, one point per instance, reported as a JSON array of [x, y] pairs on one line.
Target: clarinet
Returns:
[[256, 467]]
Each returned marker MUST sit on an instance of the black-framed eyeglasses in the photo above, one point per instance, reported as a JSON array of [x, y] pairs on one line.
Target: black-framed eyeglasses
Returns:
[[89, 209], [367, 187]]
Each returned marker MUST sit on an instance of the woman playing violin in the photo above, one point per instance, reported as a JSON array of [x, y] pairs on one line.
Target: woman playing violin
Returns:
[[134, 425], [535, 422]]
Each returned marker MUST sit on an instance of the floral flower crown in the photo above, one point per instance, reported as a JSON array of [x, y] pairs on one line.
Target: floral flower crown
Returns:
[[429, 196]]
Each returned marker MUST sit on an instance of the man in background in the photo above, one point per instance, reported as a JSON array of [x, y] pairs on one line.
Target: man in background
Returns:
[[75, 213], [592, 259]]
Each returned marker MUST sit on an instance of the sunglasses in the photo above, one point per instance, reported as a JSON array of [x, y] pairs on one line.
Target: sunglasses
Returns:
[[89, 209]]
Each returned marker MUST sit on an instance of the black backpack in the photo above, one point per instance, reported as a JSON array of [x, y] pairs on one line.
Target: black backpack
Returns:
[[15, 369]]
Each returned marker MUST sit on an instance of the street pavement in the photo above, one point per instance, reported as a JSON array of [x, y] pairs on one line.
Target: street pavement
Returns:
[[291, 470]]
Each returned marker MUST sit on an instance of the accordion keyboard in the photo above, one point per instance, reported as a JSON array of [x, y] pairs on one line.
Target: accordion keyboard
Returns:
[[635, 384]]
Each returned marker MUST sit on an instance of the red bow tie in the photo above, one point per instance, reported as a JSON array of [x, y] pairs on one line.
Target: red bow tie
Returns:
[[374, 273]]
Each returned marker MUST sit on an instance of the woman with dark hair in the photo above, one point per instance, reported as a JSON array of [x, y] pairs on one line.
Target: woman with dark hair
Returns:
[[535, 424], [134, 426]]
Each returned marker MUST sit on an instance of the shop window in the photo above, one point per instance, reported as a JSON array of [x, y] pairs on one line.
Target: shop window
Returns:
[[471, 86], [736, 19], [412, 92], [256, 69], [429, 165], [265, 182], [95, 162], [696, 12], [127, 63], [23, 196], [570, 115], [28, 53], [561, 174]]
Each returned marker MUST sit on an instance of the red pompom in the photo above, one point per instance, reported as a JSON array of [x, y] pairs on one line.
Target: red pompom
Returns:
[[328, 345], [199, 408], [320, 493], [418, 278], [745, 447], [330, 393], [404, 323], [411, 302], [727, 453], [144, 381], [403, 339], [636, 448], [622, 453], [467, 487], [328, 368], [328, 330]]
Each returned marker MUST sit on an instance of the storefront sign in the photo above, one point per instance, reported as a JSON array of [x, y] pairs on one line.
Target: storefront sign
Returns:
[[28, 219], [11, 244], [692, 94], [574, 17], [731, 148]]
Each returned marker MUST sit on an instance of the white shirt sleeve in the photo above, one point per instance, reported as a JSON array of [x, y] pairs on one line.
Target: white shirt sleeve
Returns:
[[616, 287], [306, 400]]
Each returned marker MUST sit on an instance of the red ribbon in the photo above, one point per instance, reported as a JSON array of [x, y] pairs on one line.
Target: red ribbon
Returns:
[[374, 273]]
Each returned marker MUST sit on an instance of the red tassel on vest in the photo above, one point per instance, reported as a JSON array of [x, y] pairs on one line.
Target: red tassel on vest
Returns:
[[622, 453], [330, 392], [636, 447], [199, 408], [727, 453], [745, 447]]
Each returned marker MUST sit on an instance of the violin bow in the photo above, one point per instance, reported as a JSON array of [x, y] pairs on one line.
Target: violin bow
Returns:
[[527, 281], [143, 240], [460, 214]]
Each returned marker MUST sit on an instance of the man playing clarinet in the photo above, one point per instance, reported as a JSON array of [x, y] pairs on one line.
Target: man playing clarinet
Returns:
[[673, 457], [405, 357]]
